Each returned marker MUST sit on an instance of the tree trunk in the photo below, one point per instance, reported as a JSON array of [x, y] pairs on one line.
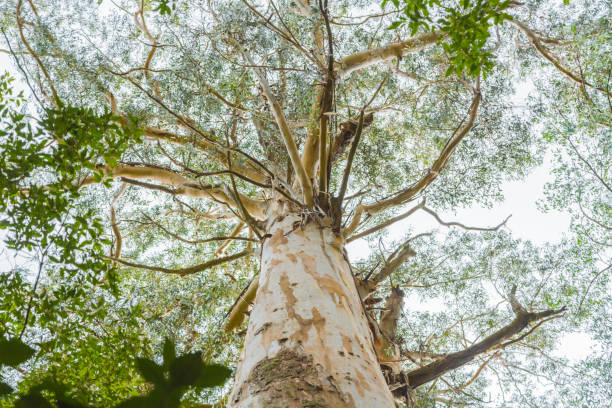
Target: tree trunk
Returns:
[[308, 342]]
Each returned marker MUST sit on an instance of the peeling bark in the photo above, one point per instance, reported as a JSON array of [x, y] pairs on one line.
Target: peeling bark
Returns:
[[308, 342]]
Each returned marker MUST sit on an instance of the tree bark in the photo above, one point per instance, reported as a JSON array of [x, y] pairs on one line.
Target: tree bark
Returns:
[[308, 342]]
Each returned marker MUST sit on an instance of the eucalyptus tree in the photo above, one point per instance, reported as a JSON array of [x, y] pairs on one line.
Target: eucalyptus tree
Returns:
[[238, 147]]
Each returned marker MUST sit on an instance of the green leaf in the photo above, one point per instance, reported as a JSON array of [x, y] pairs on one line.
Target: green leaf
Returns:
[[394, 25], [150, 371], [186, 369], [136, 402], [169, 353], [213, 375], [32, 401], [14, 352], [5, 389]]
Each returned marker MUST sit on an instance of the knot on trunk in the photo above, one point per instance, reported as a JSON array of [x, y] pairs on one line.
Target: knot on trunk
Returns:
[[344, 138]]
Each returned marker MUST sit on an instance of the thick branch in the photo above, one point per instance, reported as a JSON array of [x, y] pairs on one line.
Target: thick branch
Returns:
[[394, 263], [455, 360], [326, 107], [191, 270], [426, 180], [288, 139], [397, 258], [395, 50], [229, 239], [182, 186], [240, 306], [389, 318]]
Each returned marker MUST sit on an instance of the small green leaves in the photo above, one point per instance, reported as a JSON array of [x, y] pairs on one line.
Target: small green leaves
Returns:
[[14, 352], [467, 28], [171, 380], [164, 6]]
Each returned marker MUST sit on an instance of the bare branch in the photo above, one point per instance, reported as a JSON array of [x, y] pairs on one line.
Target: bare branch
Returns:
[[426, 180], [386, 223], [457, 359], [187, 271], [397, 258], [537, 43], [458, 224], [227, 239]]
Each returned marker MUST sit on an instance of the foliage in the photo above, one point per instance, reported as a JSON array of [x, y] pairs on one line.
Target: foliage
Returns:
[[58, 149], [467, 27], [170, 380], [187, 103]]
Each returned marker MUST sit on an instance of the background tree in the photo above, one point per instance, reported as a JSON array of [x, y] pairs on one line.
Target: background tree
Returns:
[[242, 145]]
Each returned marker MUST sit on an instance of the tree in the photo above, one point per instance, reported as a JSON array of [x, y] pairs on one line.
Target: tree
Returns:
[[236, 148]]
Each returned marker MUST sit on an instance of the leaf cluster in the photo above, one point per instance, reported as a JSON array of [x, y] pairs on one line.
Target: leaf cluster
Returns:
[[55, 151], [466, 28], [170, 381]]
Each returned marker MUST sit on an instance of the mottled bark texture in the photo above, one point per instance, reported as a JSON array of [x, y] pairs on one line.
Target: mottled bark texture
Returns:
[[308, 342]]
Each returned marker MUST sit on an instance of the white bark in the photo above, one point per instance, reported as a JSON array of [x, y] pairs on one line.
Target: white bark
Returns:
[[308, 342]]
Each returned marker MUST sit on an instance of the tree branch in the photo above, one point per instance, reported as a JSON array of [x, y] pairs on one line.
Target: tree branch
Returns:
[[231, 237], [117, 250], [397, 258], [55, 98], [458, 224], [337, 201], [187, 271], [395, 50], [182, 186], [236, 314], [386, 223], [426, 180], [537, 43], [455, 360], [288, 139]]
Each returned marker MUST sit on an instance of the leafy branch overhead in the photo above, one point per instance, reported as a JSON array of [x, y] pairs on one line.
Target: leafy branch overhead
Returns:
[[466, 29]]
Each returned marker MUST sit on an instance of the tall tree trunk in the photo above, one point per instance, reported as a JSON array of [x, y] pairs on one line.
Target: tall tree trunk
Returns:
[[308, 342]]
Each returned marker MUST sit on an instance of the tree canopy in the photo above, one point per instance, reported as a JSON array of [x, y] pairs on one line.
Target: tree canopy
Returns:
[[137, 177]]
